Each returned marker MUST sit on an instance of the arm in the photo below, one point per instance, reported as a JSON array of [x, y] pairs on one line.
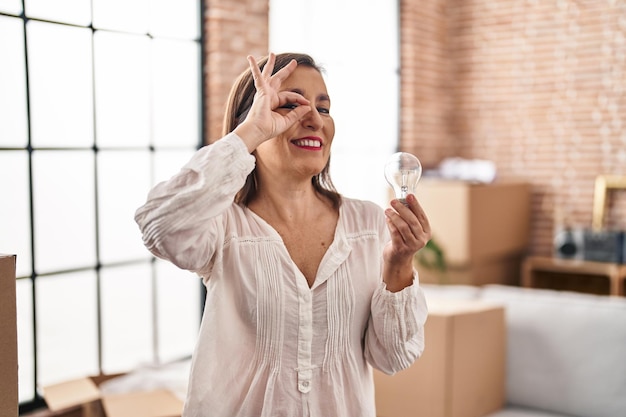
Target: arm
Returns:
[[395, 335], [177, 219]]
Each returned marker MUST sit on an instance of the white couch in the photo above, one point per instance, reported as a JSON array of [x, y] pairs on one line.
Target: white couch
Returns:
[[566, 351]]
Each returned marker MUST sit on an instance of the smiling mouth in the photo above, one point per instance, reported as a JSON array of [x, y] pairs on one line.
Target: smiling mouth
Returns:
[[308, 143]]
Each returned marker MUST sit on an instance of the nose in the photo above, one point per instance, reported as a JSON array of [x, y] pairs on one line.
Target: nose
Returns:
[[312, 120]]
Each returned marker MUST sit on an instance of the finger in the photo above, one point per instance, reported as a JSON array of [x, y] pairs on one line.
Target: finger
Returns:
[[416, 208], [413, 234], [407, 215], [401, 232], [296, 114], [396, 237], [254, 69], [285, 71], [292, 97], [393, 230], [269, 65]]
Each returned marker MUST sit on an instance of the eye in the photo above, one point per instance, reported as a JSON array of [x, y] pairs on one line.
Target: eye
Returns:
[[323, 110], [289, 106]]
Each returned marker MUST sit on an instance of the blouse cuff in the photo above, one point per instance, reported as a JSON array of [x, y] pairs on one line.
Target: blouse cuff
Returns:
[[400, 296], [410, 298]]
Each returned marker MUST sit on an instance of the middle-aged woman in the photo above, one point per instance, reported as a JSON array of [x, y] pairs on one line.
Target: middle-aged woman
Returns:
[[307, 290]]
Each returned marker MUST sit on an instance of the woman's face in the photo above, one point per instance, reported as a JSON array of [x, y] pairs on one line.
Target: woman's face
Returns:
[[303, 149]]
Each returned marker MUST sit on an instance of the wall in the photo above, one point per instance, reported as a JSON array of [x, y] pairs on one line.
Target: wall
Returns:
[[427, 96], [538, 87], [233, 30]]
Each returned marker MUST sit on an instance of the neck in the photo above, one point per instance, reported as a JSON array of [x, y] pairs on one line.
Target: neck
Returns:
[[288, 201]]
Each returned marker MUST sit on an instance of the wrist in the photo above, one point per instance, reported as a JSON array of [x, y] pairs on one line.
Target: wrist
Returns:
[[398, 276], [250, 134]]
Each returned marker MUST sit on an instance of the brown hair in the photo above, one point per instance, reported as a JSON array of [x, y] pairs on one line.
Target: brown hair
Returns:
[[237, 108]]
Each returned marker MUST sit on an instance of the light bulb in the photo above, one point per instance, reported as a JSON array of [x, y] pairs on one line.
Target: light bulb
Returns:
[[402, 172]]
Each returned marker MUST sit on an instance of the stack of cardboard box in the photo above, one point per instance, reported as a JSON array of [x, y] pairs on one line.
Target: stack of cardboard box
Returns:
[[83, 398], [483, 230], [462, 370]]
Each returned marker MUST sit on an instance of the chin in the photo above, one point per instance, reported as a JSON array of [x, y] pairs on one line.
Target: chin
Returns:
[[310, 173]]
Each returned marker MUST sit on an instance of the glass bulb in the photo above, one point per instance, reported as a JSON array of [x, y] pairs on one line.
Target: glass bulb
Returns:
[[403, 171]]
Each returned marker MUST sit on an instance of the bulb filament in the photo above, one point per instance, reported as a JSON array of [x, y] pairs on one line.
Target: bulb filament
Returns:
[[404, 188]]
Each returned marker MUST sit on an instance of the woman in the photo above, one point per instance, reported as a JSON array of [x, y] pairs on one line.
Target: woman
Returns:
[[306, 290]]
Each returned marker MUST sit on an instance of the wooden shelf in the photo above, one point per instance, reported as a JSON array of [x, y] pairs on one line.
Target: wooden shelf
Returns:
[[574, 275]]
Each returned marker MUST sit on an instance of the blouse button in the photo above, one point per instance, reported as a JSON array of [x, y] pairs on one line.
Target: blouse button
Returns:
[[304, 387]]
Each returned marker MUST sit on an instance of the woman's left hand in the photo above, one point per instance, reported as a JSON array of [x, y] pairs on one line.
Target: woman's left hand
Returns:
[[410, 232]]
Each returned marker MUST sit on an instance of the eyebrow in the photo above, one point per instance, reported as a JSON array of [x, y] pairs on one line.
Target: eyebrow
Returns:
[[321, 97]]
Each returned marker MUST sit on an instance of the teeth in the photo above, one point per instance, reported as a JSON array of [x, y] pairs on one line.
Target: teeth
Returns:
[[308, 142]]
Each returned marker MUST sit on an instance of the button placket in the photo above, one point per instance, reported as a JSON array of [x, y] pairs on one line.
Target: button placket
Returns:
[[305, 338], [304, 380]]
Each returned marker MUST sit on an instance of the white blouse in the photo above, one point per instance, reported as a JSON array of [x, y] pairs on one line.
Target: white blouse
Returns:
[[270, 346]]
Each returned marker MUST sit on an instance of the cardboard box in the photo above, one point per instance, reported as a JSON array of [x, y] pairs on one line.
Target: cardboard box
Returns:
[[84, 394], [505, 270], [462, 370], [8, 340], [483, 229]]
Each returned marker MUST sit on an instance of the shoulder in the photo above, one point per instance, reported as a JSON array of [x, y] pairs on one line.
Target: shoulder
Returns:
[[360, 215], [361, 206]]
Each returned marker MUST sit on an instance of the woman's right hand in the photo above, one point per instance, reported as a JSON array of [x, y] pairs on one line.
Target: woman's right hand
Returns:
[[263, 122]]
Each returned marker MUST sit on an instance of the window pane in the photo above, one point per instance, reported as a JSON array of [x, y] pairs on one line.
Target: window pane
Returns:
[[60, 85], [122, 89], [178, 311], [76, 12], [122, 15], [15, 209], [11, 6], [13, 126], [168, 163], [25, 340], [176, 93], [345, 82], [127, 322], [370, 181], [119, 196], [67, 332], [175, 19], [63, 184]]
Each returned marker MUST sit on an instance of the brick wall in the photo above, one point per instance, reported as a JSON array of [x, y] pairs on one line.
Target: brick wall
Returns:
[[426, 94], [233, 30], [539, 87]]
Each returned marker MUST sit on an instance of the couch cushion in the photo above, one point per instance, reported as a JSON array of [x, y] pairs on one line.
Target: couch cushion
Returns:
[[566, 351]]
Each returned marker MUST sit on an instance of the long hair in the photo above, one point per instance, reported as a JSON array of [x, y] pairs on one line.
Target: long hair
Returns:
[[237, 108]]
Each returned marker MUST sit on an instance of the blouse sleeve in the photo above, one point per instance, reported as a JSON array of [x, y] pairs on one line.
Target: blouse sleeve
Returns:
[[179, 221], [395, 335]]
